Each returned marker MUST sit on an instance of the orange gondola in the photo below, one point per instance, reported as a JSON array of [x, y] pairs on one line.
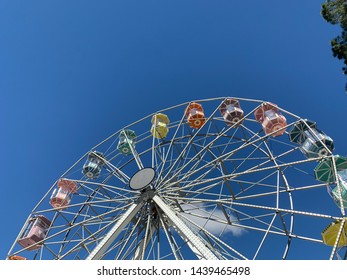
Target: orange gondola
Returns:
[[16, 258], [195, 115]]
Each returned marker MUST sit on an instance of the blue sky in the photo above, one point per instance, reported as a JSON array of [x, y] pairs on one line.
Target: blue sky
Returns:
[[74, 72]]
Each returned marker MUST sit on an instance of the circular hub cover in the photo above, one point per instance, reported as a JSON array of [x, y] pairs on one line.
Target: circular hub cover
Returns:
[[142, 178]]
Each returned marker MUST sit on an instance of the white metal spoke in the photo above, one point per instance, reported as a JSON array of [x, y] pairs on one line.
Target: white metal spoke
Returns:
[[184, 230], [113, 233]]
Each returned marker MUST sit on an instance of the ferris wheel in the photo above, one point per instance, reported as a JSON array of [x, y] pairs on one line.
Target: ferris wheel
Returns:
[[220, 178]]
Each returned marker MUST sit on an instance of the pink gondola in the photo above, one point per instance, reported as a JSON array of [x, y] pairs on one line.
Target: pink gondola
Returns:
[[34, 233], [231, 112], [61, 195], [271, 119]]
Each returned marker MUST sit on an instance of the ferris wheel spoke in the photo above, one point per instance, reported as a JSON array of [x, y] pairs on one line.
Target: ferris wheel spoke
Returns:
[[249, 157], [182, 156], [212, 220], [141, 247], [76, 244], [274, 231], [66, 242], [153, 151], [132, 150], [154, 248], [164, 159], [290, 211], [160, 162], [265, 235], [118, 173], [176, 174], [127, 239], [281, 166], [131, 240], [84, 243], [255, 185], [288, 232], [249, 171], [129, 236], [224, 171], [279, 173], [212, 236], [260, 219], [137, 158], [80, 226], [223, 168], [273, 193], [196, 157], [171, 242], [191, 170], [91, 204], [184, 230], [191, 141], [112, 190], [223, 157], [114, 232], [274, 209]]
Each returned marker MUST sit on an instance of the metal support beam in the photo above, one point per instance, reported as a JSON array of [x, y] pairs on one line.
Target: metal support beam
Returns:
[[105, 243], [141, 247], [184, 231]]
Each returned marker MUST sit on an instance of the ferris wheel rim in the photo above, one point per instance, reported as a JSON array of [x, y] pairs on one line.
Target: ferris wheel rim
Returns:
[[164, 182]]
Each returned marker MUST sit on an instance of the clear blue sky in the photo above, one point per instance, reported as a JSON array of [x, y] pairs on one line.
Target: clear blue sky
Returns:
[[73, 72]]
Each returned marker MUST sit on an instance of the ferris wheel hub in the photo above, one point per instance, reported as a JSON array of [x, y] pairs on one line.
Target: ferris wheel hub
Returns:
[[142, 178]]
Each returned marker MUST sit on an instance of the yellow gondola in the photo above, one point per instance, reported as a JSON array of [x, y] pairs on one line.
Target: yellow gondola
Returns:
[[330, 233], [159, 125]]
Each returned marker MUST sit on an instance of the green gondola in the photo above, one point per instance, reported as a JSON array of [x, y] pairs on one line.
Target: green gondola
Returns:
[[126, 141], [324, 172], [297, 133], [314, 142]]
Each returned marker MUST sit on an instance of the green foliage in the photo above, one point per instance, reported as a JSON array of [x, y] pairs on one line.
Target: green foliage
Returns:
[[335, 12], [339, 46]]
